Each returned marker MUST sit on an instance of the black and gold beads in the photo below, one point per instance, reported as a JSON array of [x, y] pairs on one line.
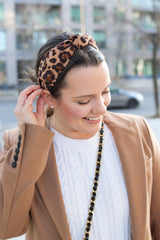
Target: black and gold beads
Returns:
[[95, 184]]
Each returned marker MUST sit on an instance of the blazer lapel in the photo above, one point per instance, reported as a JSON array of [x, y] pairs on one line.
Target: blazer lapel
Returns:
[[132, 159], [58, 209], [53, 198]]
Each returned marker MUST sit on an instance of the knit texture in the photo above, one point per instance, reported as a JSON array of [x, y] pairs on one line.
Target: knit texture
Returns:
[[76, 162]]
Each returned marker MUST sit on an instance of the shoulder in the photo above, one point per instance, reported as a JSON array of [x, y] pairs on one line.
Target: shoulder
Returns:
[[123, 120], [132, 124]]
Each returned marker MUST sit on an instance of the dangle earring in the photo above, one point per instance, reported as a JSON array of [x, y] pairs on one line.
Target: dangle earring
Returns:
[[52, 106]]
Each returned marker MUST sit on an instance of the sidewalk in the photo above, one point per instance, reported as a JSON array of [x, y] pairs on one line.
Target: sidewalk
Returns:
[[8, 95]]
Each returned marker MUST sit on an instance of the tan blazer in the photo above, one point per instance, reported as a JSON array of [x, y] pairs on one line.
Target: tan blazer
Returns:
[[30, 194]]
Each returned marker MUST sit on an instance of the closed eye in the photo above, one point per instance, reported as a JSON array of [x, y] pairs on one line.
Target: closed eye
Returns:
[[86, 102], [82, 103], [105, 92]]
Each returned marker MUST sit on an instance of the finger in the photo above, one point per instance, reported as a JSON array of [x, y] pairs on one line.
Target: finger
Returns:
[[25, 93], [40, 105], [30, 89], [23, 98], [32, 96]]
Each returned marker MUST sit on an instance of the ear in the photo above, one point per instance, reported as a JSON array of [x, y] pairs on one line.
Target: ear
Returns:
[[49, 99]]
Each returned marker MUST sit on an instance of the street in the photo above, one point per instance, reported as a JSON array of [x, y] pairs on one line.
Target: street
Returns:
[[8, 119]]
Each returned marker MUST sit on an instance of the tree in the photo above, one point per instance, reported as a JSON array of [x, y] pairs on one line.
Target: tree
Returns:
[[153, 38]]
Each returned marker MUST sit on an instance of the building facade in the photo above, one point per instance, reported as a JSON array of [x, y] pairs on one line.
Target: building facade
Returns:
[[26, 24]]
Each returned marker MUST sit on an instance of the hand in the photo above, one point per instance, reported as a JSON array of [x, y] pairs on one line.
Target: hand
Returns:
[[24, 109]]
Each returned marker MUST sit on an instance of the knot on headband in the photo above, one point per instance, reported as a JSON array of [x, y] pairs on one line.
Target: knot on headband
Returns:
[[56, 59]]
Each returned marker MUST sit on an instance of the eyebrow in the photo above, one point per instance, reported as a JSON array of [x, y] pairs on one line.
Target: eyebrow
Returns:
[[93, 94]]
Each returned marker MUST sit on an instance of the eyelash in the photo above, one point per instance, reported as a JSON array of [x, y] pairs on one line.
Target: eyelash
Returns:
[[83, 103], [106, 92]]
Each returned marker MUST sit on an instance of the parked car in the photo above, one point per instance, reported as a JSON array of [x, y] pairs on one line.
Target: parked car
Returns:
[[124, 98]]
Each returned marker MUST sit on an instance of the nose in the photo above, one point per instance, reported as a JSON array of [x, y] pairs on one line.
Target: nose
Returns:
[[99, 107]]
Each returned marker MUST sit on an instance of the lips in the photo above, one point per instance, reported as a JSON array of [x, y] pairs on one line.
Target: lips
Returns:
[[93, 119]]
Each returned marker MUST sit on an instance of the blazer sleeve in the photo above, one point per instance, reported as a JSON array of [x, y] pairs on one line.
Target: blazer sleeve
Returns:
[[155, 198], [22, 162]]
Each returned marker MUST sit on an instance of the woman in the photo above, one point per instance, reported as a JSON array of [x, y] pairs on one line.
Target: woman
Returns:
[[80, 172]]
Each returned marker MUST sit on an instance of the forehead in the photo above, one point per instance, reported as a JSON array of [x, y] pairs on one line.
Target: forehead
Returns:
[[88, 77]]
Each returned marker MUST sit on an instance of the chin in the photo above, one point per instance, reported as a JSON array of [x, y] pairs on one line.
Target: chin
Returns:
[[94, 129]]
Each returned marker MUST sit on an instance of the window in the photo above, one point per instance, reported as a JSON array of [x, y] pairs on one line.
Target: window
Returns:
[[76, 31], [99, 15], [31, 40], [120, 68], [144, 20], [98, 1], [75, 14], [143, 67], [146, 4], [141, 43], [1, 13], [100, 38], [2, 72], [22, 13], [147, 22], [119, 13], [121, 1], [119, 42], [2, 40], [39, 14]]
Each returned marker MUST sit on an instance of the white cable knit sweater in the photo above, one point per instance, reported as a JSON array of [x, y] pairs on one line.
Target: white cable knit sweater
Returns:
[[76, 162]]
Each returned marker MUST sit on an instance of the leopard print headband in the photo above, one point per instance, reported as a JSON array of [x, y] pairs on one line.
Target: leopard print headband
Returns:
[[56, 59]]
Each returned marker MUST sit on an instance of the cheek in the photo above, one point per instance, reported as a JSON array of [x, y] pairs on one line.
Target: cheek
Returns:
[[74, 111]]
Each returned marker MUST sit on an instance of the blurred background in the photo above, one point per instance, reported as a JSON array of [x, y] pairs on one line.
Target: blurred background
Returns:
[[126, 31]]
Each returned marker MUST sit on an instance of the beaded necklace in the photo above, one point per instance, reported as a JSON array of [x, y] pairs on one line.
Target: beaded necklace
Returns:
[[95, 185]]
